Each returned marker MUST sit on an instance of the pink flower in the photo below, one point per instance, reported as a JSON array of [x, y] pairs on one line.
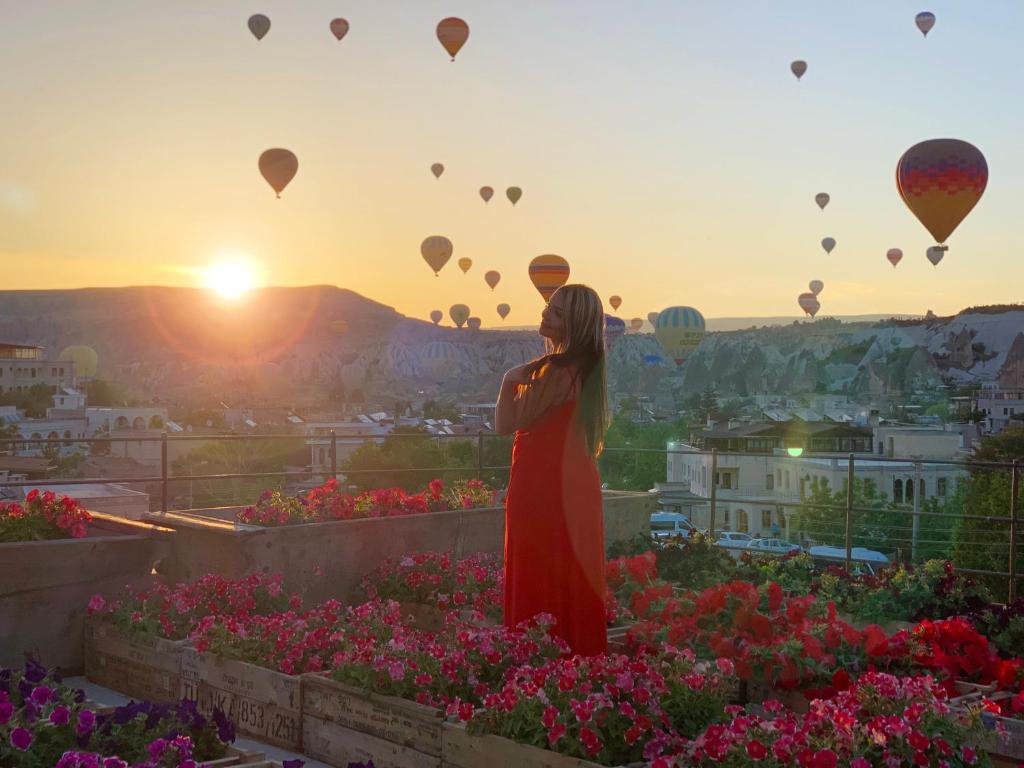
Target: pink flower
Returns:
[[60, 716], [756, 750], [21, 739], [96, 603]]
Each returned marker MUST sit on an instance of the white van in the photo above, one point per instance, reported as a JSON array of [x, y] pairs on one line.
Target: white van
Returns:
[[863, 560], [666, 525]]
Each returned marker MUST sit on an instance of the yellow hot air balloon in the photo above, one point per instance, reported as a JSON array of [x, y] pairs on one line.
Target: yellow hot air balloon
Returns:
[[259, 25], [822, 199], [459, 313], [278, 167], [435, 316], [548, 273], [492, 278], [679, 330], [437, 169], [436, 251], [513, 194], [465, 264], [503, 310], [452, 34], [798, 68], [615, 301], [941, 181], [339, 28], [487, 193], [85, 359]]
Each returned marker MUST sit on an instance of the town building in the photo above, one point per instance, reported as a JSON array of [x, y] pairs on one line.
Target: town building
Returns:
[[22, 366], [1002, 407]]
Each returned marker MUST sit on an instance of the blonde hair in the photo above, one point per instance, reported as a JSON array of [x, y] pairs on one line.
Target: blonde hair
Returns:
[[582, 351]]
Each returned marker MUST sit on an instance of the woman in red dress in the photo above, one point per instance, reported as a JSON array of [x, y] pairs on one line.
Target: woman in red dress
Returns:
[[554, 524]]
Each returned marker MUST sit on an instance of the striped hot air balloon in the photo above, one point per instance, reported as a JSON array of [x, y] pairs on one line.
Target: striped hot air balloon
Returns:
[[548, 273], [679, 330], [941, 180], [614, 328]]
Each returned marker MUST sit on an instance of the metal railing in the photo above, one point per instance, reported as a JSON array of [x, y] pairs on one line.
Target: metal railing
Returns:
[[848, 511]]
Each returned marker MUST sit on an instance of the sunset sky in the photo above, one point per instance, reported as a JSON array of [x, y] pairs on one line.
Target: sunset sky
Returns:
[[663, 148]]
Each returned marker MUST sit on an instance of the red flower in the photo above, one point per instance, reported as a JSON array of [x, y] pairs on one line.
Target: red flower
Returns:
[[756, 750]]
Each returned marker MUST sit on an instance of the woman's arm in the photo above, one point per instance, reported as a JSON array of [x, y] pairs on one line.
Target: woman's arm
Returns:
[[523, 401]]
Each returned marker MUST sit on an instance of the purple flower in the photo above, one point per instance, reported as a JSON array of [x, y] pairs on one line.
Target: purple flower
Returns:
[[157, 747], [41, 695], [86, 721], [21, 738], [60, 716], [299, 763], [114, 762], [6, 710]]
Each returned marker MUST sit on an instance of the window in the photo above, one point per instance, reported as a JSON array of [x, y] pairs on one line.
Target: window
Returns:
[[727, 518], [61, 371], [727, 479], [34, 375], [909, 491], [787, 479], [663, 526], [940, 486], [769, 482], [922, 491], [897, 491], [766, 518]]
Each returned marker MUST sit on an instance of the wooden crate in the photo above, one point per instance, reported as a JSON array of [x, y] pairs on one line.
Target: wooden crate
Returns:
[[412, 726], [138, 666], [263, 703], [1010, 747], [339, 746], [461, 750]]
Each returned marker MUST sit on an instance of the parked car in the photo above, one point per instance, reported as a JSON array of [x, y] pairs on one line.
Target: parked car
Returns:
[[666, 525], [864, 560], [733, 539], [773, 547]]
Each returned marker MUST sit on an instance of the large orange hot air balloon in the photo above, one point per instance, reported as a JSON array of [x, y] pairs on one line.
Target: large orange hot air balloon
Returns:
[[465, 264], [492, 278], [278, 167], [459, 313], [548, 273], [339, 28], [809, 303], [615, 301], [436, 250], [941, 180], [453, 34]]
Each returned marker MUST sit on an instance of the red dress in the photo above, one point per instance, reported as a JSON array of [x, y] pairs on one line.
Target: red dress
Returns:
[[554, 532]]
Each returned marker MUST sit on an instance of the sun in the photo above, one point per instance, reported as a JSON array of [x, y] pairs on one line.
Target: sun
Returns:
[[231, 277]]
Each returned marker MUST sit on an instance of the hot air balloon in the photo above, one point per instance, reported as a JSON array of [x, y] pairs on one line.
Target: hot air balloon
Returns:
[[259, 25], [339, 327], [636, 324], [822, 199], [278, 167], [492, 278], [925, 21], [465, 264], [615, 301], [503, 310], [941, 180], [894, 255], [439, 357], [435, 316], [85, 359], [487, 193], [436, 251], [437, 169], [798, 68], [935, 254], [828, 244], [513, 194], [339, 28], [459, 313], [453, 34], [614, 327], [809, 303], [652, 318], [474, 323], [816, 286], [548, 273], [679, 330]]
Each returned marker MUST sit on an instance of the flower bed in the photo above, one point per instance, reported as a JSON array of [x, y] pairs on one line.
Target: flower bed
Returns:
[[43, 516]]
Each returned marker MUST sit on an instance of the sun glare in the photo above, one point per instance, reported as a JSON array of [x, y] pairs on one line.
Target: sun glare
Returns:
[[231, 278]]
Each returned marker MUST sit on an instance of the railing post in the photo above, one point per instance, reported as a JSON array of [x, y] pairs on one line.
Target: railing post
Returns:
[[163, 473], [480, 455], [915, 526], [1012, 590], [849, 514], [714, 493], [334, 454]]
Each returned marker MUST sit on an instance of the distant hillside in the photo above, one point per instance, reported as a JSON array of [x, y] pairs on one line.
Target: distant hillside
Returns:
[[297, 346]]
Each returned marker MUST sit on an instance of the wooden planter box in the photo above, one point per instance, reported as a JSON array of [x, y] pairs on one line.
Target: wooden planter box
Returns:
[[263, 703], [45, 586], [342, 724], [1010, 748], [461, 750], [344, 552], [138, 666]]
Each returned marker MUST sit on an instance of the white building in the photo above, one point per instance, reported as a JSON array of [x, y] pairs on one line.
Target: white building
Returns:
[[349, 435], [1000, 406], [23, 365]]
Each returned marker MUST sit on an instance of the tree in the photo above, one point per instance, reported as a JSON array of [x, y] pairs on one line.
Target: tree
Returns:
[[440, 409], [625, 465], [876, 522], [984, 544], [106, 393], [236, 457], [708, 401], [34, 401], [7, 432]]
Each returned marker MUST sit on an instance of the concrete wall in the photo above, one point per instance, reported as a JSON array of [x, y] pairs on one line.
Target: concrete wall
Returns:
[[345, 552], [45, 586]]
